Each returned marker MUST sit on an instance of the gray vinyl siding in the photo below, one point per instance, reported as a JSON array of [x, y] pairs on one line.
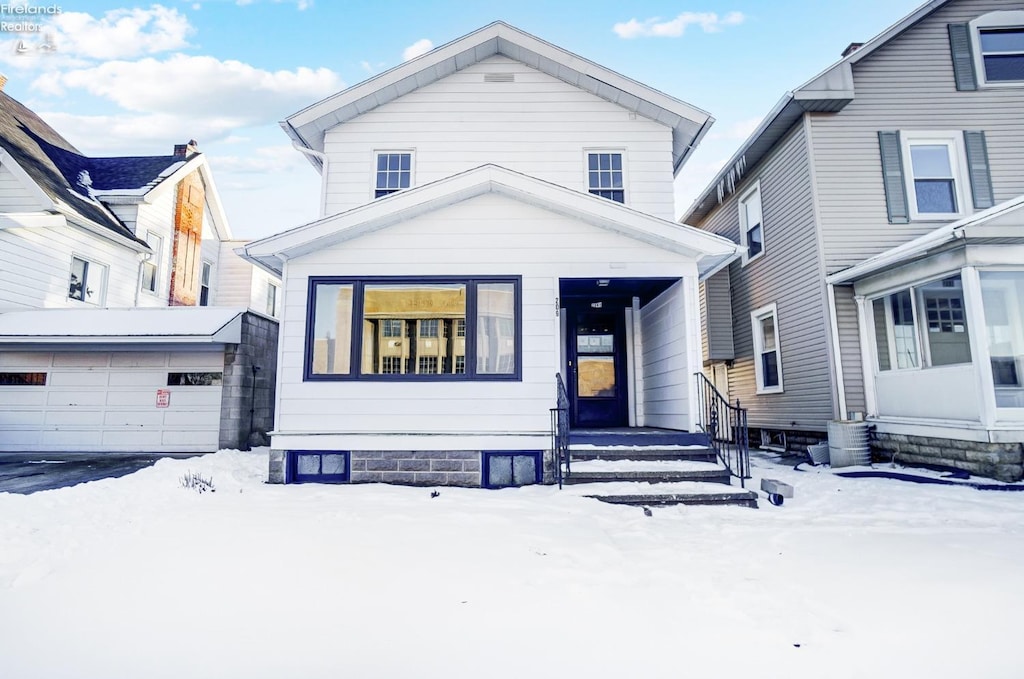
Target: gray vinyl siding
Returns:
[[849, 349], [788, 274], [907, 84], [716, 318]]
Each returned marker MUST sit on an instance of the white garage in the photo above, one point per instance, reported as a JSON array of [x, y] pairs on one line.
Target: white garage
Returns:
[[138, 380]]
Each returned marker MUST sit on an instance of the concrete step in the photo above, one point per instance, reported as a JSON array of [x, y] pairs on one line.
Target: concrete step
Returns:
[[663, 494], [633, 436], [695, 453], [709, 476]]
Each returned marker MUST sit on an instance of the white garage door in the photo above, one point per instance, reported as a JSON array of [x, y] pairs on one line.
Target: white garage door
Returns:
[[158, 401]]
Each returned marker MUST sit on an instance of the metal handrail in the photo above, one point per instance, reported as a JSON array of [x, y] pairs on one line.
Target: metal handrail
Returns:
[[726, 427], [560, 431]]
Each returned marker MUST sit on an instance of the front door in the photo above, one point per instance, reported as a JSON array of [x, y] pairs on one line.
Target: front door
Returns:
[[597, 366]]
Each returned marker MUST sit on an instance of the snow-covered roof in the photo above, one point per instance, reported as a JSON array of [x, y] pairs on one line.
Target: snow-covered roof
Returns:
[[1000, 220], [827, 92], [711, 251], [688, 123], [186, 325]]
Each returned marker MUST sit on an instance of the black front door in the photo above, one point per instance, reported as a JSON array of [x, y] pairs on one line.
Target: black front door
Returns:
[[597, 369]]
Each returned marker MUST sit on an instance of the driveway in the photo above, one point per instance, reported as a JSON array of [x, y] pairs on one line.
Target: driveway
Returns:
[[30, 472]]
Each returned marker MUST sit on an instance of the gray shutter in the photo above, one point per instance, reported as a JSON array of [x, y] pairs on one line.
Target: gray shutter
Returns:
[[977, 167], [963, 59], [892, 177]]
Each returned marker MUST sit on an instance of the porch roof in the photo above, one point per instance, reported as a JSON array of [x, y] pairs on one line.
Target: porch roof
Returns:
[[1002, 221], [710, 251]]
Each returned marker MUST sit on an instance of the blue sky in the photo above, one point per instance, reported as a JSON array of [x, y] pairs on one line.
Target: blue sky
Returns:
[[134, 79]]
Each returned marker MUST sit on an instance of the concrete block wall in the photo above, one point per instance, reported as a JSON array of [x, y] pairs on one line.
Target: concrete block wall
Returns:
[[1002, 461], [248, 396], [417, 468]]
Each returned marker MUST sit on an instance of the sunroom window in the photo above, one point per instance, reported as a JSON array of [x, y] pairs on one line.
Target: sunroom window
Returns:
[[1002, 294], [923, 325], [413, 329]]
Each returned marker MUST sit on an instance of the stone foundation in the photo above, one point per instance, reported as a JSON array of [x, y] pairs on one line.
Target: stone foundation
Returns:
[[1002, 461], [417, 468]]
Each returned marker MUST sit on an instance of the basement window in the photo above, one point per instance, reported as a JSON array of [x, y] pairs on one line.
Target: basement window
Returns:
[[22, 379], [318, 466], [506, 469], [773, 439]]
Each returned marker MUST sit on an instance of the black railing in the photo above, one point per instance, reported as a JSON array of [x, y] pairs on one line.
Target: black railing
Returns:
[[726, 427], [560, 431]]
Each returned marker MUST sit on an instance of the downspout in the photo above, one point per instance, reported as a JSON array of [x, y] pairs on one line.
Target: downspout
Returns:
[[833, 318], [325, 163]]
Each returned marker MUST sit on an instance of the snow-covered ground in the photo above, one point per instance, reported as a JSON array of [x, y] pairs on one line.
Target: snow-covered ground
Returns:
[[139, 577]]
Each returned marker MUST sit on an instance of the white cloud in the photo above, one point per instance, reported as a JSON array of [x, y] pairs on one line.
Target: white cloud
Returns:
[[119, 33], [197, 87], [154, 134], [709, 22], [416, 49]]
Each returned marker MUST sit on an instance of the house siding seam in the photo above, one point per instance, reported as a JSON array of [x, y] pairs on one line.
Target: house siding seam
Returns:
[[907, 84], [790, 275]]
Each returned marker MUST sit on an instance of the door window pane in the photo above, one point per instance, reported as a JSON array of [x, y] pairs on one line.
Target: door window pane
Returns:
[[595, 377]]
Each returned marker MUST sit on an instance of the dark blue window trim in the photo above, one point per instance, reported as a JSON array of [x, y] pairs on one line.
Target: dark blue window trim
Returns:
[[357, 284], [292, 475], [485, 467]]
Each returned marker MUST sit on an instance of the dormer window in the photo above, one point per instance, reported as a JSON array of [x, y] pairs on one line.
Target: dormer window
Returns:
[[394, 172], [605, 175]]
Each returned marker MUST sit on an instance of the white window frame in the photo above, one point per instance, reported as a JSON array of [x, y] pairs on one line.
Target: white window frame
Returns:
[[621, 152], [745, 227], [101, 294], [1002, 19], [756, 317], [205, 265], [373, 171], [953, 140], [890, 332], [273, 295], [155, 260]]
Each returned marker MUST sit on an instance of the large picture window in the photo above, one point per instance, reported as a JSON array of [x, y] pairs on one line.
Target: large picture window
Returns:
[[406, 328]]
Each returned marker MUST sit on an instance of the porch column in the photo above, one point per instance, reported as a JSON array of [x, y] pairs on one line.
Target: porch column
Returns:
[[866, 326], [977, 334], [691, 311]]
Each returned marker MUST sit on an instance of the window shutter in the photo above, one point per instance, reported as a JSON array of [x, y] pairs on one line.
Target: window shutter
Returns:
[[963, 60], [977, 166], [892, 177]]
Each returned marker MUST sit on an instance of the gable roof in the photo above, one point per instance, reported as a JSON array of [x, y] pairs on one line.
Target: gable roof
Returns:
[[712, 252], [828, 92], [1002, 221], [689, 124]]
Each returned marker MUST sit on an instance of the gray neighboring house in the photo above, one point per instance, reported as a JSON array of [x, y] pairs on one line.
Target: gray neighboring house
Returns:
[[881, 209]]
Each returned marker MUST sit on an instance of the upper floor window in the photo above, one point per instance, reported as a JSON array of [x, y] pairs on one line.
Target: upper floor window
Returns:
[[751, 224], [205, 276], [767, 356], [394, 172], [151, 267], [88, 281], [605, 175], [998, 42], [273, 298], [935, 174]]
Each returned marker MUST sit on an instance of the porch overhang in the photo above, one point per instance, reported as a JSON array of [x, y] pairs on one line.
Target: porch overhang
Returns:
[[118, 327]]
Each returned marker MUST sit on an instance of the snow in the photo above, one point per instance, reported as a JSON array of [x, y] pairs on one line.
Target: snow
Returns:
[[140, 577], [645, 466]]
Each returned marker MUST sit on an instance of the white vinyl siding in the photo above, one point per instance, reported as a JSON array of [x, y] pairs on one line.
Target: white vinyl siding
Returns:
[[534, 124], [520, 239], [665, 383], [14, 196], [107, 401]]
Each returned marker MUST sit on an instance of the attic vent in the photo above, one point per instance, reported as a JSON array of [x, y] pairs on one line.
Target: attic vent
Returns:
[[499, 77]]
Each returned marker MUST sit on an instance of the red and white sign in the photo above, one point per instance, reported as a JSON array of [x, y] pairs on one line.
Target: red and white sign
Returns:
[[163, 398]]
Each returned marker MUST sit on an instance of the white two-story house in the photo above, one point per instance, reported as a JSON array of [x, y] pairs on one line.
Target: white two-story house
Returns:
[[127, 323], [497, 216], [879, 208]]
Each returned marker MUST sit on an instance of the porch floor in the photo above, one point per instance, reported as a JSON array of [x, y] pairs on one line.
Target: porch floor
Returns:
[[635, 436]]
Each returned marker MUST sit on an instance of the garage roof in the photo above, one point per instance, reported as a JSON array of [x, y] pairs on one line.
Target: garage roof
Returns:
[[185, 325]]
